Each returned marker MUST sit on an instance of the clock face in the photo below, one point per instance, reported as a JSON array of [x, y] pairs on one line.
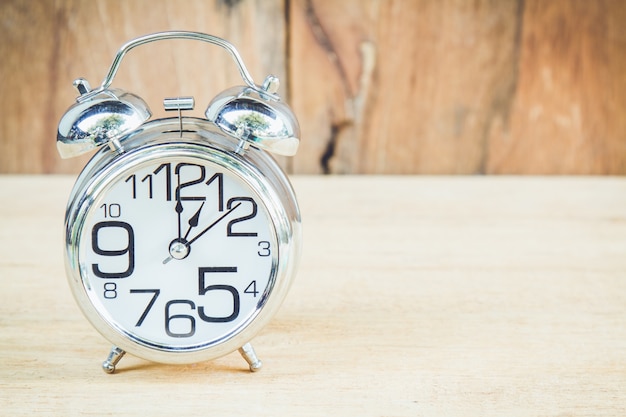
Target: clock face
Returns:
[[178, 253]]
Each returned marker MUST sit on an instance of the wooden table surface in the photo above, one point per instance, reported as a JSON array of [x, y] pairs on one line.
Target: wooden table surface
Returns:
[[416, 296]]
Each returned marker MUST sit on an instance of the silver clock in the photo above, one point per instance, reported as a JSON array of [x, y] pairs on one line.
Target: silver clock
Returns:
[[182, 234]]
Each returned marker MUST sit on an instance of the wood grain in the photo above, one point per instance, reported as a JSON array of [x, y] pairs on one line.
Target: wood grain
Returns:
[[568, 112], [460, 87], [416, 296], [46, 45], [379, 86], [408, 87]]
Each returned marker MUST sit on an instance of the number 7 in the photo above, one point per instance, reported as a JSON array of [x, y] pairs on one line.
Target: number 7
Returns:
[[150, 304]]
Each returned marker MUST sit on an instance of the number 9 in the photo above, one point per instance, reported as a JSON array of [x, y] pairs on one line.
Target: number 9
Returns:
[[129, 249]]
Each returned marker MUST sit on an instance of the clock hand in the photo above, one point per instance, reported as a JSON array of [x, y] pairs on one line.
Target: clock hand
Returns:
[[179, 248], [193, 221], [179, 210], [213, 224]]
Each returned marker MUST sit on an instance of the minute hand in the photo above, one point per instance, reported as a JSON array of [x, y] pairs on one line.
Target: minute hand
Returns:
[[212, 224]]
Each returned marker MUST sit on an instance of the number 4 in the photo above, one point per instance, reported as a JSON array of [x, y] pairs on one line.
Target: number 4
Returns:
[[251, 289]]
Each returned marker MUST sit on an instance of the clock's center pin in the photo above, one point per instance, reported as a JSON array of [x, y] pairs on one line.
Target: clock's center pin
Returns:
[[179, 250], [180, 104]]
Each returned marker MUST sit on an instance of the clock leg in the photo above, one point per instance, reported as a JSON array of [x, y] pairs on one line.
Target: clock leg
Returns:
[[114, 357], [248, 353]]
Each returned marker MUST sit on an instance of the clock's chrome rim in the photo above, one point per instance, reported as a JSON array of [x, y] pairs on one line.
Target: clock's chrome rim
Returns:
[[141, 159], [286, 229]]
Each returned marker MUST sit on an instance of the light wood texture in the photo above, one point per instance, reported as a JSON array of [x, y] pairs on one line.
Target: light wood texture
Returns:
[[567, 115], [528, 87], [415, 297], [406, 87], [46, 45], [379, 86]]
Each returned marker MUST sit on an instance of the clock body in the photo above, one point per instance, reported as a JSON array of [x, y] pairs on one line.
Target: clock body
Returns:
[[181, 246]]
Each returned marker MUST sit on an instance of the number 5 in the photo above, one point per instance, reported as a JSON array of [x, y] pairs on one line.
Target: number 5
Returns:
[[203, 290]]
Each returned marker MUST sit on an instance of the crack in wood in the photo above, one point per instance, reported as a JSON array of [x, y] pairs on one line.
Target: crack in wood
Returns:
[[230, 4], [355, 103], [501, 105], [322, 38], [331, 145], [336, 127]]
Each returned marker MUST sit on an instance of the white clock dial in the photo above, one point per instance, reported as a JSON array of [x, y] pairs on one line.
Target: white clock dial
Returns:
[[178, 253]]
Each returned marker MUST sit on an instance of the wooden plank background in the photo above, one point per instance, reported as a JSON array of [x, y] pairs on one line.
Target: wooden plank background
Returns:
[[391, 87]]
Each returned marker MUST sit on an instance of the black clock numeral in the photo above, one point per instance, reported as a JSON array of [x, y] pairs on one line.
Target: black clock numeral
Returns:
[[128, 250], [182, 185], [168, 179], [251, 289], [133, 184], [264, 248], [178, 317], [185, 175], [113, 210], [110, 290], [251, 214], [150, 303], [182, 324], [203, 290], [219, 178], [148, 178]]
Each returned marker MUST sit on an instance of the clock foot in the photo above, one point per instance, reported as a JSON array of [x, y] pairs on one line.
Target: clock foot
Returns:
[[114, 357], [248, 353]]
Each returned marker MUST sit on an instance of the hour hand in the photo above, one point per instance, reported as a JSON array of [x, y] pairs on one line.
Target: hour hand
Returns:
[[179, 248], [179, 210], [193, 221]]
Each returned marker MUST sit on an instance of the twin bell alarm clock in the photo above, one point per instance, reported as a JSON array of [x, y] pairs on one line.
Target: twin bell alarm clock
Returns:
[[182, 234]]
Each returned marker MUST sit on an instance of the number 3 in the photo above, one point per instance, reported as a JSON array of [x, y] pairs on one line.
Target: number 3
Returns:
[[264, 248]]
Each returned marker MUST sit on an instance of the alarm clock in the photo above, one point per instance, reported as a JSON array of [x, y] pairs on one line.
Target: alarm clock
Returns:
[[182, 234]]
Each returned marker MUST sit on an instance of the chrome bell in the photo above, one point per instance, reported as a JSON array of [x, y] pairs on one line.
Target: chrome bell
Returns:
[[257, 117], [100, 119]]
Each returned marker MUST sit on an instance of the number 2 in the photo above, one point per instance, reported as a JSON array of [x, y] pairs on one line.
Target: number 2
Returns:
[[251, 215]]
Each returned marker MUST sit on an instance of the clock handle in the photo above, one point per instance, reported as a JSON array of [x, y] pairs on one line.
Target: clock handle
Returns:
[[245, 75], [106, 115]]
